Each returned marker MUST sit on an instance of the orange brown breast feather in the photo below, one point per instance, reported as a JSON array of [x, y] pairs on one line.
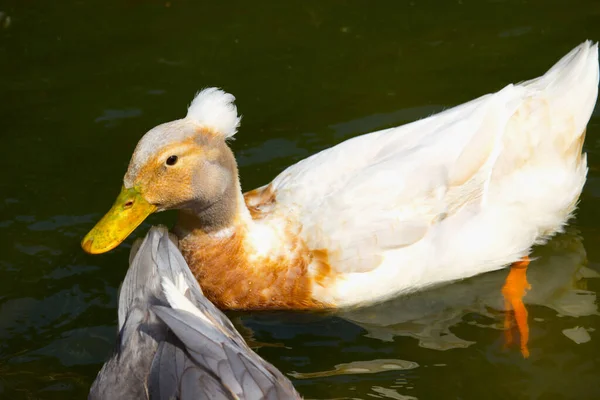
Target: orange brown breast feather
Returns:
[[233, 277]]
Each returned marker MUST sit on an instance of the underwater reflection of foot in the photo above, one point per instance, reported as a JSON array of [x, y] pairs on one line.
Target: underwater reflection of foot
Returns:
[[513, 291]]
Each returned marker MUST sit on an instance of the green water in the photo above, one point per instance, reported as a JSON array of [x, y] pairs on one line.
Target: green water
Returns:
[[81, 81]]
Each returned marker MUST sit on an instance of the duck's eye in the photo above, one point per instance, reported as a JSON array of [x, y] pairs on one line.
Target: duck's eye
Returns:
[[172, 160]]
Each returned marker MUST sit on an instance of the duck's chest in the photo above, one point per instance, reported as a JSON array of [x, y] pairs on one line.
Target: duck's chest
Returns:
[[235, 277]]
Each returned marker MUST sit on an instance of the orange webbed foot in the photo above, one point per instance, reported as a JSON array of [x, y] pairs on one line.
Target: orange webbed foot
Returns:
[[514, 290]]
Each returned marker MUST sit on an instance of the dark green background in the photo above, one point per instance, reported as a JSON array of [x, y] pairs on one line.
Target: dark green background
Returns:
[[81, 81]]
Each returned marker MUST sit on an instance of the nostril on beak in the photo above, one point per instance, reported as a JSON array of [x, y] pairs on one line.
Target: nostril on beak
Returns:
[[128, 204]]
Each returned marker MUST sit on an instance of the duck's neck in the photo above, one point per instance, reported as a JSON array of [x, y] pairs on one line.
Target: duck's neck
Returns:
[[216, 221]]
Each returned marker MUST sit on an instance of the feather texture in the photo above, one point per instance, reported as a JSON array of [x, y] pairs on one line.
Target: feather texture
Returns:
[[173, 343]]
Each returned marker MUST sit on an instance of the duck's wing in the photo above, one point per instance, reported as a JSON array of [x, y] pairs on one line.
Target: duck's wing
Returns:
[[218, 351], [386, 190]]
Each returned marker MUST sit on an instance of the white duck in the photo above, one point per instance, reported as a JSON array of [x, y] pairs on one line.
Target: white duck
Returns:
[[463, 192]]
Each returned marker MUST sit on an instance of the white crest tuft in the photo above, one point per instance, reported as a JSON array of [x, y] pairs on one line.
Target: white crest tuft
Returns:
[[215, 109]]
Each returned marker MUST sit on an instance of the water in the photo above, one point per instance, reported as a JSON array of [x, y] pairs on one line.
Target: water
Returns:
[[81, 81]]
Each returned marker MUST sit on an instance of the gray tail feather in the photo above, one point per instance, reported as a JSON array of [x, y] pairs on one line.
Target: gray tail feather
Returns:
[[215, 351], [192, 342]]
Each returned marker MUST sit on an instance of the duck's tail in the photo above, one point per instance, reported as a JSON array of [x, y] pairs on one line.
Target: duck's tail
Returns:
[[541, 163], [570, 89], [214, 345], [547, 127], [572, 83]]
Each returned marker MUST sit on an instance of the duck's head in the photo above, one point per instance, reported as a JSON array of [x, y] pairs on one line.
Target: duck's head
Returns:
[[183, 164]]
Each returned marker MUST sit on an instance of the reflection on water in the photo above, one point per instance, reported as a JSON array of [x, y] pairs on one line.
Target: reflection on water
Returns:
[[359, 367], [578, 334], [558, 278]]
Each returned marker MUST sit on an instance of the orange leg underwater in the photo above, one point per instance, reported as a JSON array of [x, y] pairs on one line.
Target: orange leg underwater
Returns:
[[513, 291]]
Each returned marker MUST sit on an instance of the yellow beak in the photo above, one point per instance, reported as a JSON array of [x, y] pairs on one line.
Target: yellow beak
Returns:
[[126, 214]]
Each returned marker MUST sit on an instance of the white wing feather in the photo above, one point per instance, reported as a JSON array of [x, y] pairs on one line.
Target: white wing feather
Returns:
[[385, 190]]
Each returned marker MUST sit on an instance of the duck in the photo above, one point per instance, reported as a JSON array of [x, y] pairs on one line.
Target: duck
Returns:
[[462, 192], [173, 343]]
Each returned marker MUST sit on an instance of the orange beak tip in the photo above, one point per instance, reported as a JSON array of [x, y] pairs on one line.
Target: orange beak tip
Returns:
[[87, 245]]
